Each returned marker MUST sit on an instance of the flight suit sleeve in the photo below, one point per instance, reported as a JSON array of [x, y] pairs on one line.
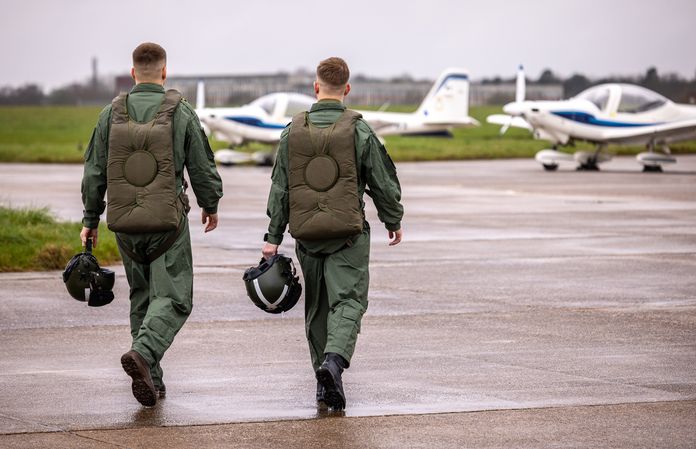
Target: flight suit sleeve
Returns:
[[278, 207], [200, 165], [94, 175], [380, 177]]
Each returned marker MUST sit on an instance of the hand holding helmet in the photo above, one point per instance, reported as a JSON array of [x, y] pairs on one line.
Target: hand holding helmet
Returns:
[[82, 273], [272, 285]]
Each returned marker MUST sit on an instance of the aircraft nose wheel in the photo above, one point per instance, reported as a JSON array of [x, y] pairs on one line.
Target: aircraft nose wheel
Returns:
[[550, 167]]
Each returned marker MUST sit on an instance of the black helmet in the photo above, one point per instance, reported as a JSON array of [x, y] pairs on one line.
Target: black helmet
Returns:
[[272, 285], [83, 273]]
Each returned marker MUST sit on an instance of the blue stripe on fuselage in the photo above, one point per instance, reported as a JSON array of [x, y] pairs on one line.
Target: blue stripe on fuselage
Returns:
[[254, 121], [589, 119]]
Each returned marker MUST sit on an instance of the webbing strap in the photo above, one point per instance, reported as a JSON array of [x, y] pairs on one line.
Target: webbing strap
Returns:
[[164, 246], [349, 243], [119, 110], [168, 106], [324, 132]]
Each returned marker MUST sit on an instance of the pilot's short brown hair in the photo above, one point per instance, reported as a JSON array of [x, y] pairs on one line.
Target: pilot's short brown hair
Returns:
[[334, 72], [149, 59]]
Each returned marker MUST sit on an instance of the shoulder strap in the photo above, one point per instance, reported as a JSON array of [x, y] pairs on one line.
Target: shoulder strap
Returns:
[[119, 109], [300, 119], [350, 114], [169, 104]]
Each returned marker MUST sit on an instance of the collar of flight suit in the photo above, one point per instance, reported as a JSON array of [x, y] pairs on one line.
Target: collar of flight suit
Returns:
[[323, 105], [147, 87]]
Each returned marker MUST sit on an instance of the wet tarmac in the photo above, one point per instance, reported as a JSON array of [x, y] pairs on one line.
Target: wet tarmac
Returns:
[[520, 305]]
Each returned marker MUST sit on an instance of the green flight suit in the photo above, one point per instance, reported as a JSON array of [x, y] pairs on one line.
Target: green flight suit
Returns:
[[161, 293], [336, 271]]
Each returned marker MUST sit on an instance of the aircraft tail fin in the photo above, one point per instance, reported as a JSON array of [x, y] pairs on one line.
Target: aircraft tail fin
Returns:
[[200, 95], [448, 99]]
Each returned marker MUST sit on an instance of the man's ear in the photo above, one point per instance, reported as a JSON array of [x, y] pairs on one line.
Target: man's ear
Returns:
[[347, 90], [316, 88], [164, 73], [133, 75]]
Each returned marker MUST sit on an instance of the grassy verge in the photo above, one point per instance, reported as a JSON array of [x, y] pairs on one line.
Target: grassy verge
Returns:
[[45, 134], [61, 134], [32, 239]]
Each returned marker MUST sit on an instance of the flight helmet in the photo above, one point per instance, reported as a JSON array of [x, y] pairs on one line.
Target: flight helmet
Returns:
[[86, 281], [272, 285]]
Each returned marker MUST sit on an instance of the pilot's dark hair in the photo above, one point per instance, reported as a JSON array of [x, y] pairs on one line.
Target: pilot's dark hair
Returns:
[[333, 72], [149, 59]]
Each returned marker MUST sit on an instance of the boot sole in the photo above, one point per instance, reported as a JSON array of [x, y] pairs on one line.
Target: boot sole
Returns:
[[141, 390], [332, 397]]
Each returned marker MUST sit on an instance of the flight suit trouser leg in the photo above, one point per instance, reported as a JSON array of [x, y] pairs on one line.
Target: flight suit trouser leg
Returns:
[[316, 306], [138, 279], [161, 295], [336, 288]]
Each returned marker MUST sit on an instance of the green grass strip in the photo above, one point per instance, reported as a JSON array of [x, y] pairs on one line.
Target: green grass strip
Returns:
[[33, 240], [61, 134]]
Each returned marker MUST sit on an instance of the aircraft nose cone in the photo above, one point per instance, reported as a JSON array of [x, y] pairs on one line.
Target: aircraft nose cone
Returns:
[[515, 108]]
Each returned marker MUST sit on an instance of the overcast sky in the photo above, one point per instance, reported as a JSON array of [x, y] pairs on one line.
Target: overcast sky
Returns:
[[52, 42]]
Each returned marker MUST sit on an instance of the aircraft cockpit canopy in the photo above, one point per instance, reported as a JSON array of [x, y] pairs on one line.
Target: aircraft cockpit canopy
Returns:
[[284, 104], [623, 98], [298, 103], [267, 103], [639, 99], [598, 95]]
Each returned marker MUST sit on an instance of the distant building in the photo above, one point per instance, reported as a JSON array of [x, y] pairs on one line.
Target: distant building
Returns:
[[498, 94], [229, 90]]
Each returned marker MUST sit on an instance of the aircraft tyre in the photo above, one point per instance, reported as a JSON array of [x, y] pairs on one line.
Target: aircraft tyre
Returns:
[[550, 167], [587, 166], [263, 158], [652, 168]]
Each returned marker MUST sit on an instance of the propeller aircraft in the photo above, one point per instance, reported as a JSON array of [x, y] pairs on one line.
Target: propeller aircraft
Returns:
[[624, 114]]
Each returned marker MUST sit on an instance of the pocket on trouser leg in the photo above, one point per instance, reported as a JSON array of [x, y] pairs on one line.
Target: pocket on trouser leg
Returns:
[[346, 327], [354, 315], [162, 328]]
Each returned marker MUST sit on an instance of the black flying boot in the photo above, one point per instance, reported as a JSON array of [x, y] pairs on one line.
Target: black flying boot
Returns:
[[321, 402], [329, 376], [137, 368]]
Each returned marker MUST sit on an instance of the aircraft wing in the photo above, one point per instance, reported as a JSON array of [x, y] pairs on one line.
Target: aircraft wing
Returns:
[[504, 120], [454, 122], [667, 132], [378, 124]]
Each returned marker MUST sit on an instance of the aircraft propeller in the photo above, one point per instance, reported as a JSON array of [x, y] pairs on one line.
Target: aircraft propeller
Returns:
[[520, 92]]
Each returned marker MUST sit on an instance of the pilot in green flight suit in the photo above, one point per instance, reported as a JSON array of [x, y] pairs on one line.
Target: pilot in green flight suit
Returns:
[[137, 153], [326, 159]]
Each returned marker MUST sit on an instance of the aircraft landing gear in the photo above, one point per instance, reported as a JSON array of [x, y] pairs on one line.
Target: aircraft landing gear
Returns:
[[588, 166], [550, 158], [590, 161], [652, 162]]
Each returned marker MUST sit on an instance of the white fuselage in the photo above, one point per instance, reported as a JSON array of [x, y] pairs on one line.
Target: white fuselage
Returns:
[[246, 123], [609, 114], [444, 108]]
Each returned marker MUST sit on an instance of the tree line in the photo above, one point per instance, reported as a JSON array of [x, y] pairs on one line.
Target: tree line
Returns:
[[672, 86], [73, 94], [94, 92]]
